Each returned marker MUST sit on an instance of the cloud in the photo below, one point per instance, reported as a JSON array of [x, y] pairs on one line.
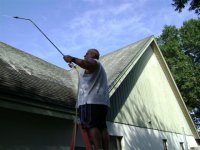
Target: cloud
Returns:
[[94, 1], [114, 25], [100, 25]]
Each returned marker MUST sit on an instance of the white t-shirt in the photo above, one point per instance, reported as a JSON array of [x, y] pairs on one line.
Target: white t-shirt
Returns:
[[93, 88]]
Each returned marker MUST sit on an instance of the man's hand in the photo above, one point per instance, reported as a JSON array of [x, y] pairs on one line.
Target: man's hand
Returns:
[[68, 58], [88, 64]]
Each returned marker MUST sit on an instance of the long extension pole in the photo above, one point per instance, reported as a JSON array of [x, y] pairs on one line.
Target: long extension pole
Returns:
[[16, 17]]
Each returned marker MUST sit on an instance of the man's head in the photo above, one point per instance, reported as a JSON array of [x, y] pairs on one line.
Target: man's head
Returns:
[[92, 53]]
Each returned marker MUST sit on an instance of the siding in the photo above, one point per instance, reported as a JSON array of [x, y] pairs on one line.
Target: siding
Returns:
[[145, 99]]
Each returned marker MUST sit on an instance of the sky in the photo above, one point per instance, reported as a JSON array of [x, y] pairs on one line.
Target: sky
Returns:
[[75, 26]]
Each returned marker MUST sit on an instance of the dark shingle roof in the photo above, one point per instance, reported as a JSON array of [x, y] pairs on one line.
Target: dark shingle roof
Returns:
[[27, 76]]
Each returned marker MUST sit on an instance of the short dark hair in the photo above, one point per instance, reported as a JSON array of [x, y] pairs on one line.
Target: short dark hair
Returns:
[[96, 52]]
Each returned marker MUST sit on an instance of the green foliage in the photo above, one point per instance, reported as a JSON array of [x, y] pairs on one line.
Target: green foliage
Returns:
[[180, 48], [190, 36], [180, 4]]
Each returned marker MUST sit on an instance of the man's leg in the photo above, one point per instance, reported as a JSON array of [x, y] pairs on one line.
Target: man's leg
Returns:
[[105, 139], [96, 137]]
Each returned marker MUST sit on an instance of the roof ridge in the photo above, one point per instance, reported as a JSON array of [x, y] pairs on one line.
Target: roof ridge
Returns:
[[30, 55], [149, 37]]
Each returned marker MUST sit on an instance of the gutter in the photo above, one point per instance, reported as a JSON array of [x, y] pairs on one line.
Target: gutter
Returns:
[[40, 108]]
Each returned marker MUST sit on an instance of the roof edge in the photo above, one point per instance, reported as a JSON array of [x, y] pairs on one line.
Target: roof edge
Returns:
[[36, 108], [174, 86]]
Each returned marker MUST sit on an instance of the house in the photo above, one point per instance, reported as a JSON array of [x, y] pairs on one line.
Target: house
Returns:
[[147, 111]]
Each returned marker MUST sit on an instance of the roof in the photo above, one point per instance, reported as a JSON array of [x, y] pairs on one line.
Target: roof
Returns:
[[118, 62], [27, 76]]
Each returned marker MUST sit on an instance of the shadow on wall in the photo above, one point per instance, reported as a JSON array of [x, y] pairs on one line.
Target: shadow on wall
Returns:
[[26, 131], [122, 93]]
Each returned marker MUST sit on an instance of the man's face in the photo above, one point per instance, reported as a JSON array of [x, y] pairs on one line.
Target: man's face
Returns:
[[89, 55]]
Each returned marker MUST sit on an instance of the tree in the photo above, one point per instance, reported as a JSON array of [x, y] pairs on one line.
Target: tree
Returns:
[[180, 48], [180, 4], [190, 38]]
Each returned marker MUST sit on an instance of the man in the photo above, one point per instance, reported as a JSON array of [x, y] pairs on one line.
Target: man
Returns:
[[93, 98]]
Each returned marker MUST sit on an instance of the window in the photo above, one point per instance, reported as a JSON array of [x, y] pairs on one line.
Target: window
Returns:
[[115, 142], [181, 145], [165, 144]]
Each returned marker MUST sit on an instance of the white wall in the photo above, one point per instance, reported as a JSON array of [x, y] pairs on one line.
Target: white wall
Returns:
[[136, 138]]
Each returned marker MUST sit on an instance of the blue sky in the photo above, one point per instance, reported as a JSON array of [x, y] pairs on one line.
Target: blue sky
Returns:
[[77, 25]]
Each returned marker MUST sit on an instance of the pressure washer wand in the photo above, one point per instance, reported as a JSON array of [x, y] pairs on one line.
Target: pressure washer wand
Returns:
[[16, 17]]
